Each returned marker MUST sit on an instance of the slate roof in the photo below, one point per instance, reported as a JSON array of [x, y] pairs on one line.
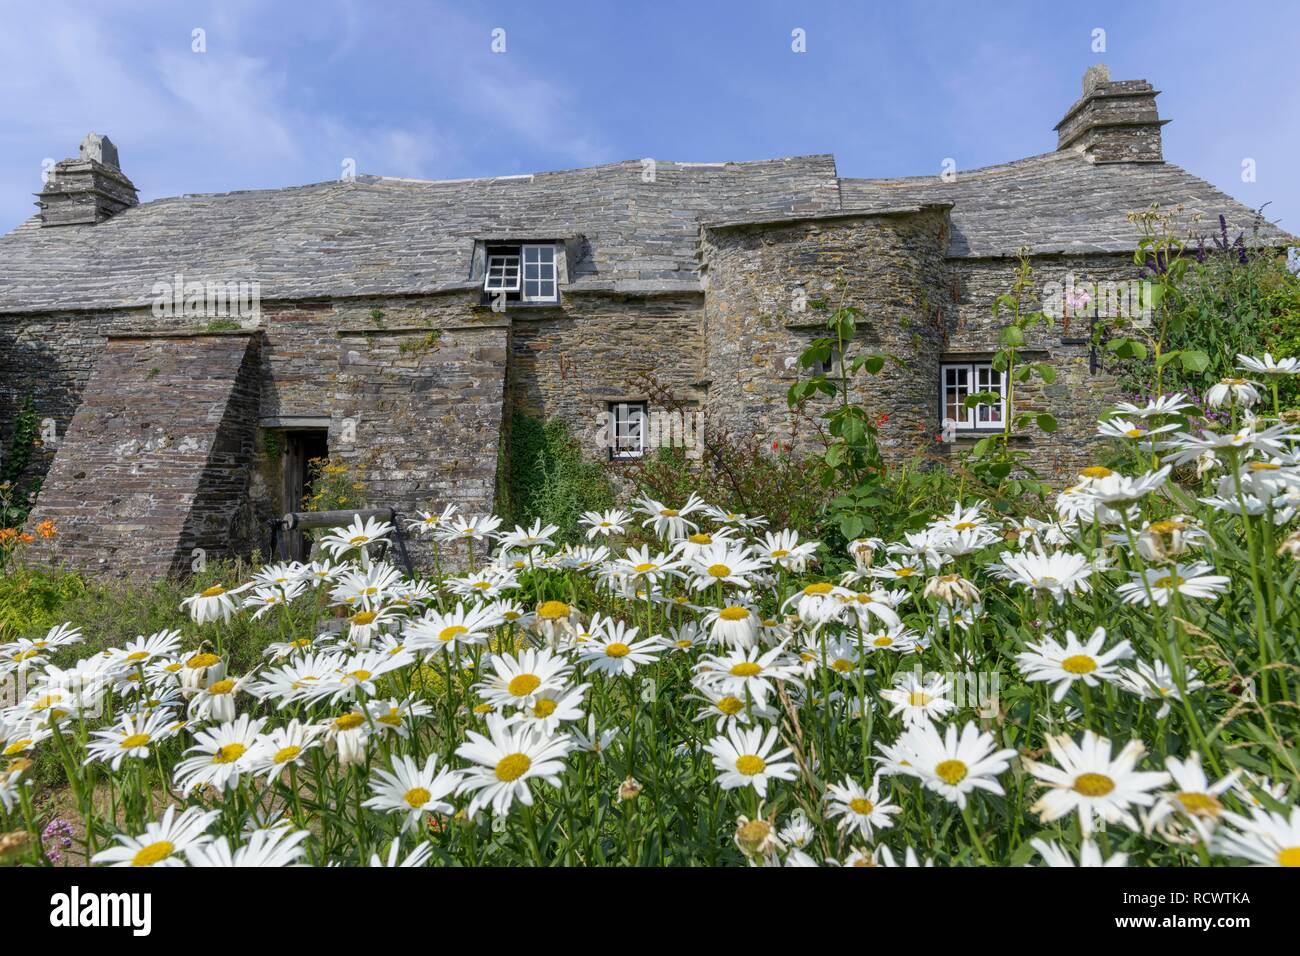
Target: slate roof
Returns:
[[379, 236], [1059, 202]]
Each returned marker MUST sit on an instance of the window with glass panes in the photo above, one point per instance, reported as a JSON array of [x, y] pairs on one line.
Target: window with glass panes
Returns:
[[958, 381], [627, 429]]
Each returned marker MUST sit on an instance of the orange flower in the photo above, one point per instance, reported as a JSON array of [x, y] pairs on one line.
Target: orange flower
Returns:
[[46, 528], [26, 538], [8, 534]]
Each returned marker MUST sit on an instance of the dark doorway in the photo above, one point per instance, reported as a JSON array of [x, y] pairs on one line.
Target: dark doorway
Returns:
[[301, 446]]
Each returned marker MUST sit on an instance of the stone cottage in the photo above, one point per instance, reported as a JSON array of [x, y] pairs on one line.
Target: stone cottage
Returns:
[[185, 356]]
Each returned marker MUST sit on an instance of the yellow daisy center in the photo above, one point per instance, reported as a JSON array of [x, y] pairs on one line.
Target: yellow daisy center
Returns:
[[285, 754], [18, 746], [842, 664], [1079, 664], [229, 753], [1289, 856], [524, 684], [746, 669], [1199, 804], [779, 553], [137, 656], [452, 632], [964, 526], [882, 641], [359, 539], [617, 649], [1169, 582], [821, 587], [349, 721], [861, 805], [512, 767], [719, 571], [734, 613], [1135, 433], [951, 772], [645, 566], [1096, 471], [1093, 784], [222, 687], [553, 610], [202, 660], [731, 706], [918, 698], [700, 539], [544, 708], [904, 572], [417, 797], [363, 618], [135, 740], [213, 591], [153, 853], [750, 764]]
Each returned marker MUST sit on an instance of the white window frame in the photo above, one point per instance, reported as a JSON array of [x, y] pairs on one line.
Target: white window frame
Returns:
[[500, 267], [542, 280], [978, 379], [626, 413]]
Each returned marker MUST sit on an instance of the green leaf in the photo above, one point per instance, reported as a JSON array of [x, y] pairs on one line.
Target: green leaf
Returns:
[[1195, 360], [850, 526], [1011, 336], [1046, 422], [874, 364], [1046, 372]]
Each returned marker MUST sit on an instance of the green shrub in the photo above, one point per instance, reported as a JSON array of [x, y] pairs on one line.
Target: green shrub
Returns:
[[549, 478]]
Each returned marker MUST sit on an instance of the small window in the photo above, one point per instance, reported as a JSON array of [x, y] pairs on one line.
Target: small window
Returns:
[[524, 273], [958, 381], [627, 429], [502, 273], [539, 274], [830, 367]]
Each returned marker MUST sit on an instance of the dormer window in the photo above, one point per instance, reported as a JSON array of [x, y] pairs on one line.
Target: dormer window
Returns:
[[522, 273]]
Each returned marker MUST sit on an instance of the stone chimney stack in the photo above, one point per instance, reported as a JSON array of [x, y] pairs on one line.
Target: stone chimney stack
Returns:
[[88, 189], [1114, 121]]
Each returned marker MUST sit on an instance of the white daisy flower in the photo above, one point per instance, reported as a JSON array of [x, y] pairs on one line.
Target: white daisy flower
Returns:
[[951, 765], [857, 808], [413, 790], [1158, 585], [1064, 664], [744, 757], [1093, 783], [163, 843], [509, 757]]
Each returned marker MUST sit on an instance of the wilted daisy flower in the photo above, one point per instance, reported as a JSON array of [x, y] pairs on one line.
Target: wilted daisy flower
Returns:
[[1089, 855], [592, 740], [271, 847], [1093, 783], [951, 589], [413, 790], [950, 765], [1159, 584], [1165, 540], [757, 839], [744, 757], [223, 753], [505, 761], [163, 843], [397, 717], [614, 649], [1155, 681], [1265, 838], [854, 807], [216, 701], [1194, 801], [132, 736], [1064, 664], [735, 625], [799, 831], [346, 736], [200, 670], [919, 699], [213, 604], [1232, 392]]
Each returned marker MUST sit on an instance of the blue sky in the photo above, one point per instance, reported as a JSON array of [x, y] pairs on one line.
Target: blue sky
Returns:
[[287, 91]]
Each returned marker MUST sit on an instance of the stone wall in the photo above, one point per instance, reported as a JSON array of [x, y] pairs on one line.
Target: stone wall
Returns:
[[155, 462], [891, 266]]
